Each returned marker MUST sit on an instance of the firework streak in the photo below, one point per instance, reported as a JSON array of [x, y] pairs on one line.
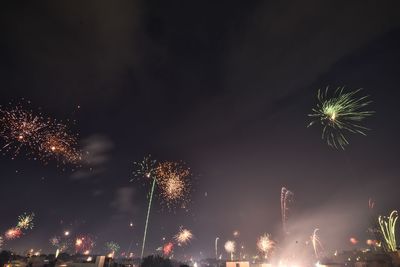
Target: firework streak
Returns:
[[286, 198]]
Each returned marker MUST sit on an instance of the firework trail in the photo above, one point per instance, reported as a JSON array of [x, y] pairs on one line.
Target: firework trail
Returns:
[[1, 241], [371, 203], [146, 168], [265, 245], [43, 138], [183, 236], [388, 230], [230, 247], [316, 243], [25, 221], [286, 198], [338, 113], [13, 233], [171, 178]]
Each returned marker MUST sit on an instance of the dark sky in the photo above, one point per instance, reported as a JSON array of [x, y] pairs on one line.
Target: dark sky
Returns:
[[225, 86]]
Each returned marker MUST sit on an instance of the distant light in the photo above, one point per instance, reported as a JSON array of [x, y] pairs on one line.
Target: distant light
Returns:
[[66, 233]]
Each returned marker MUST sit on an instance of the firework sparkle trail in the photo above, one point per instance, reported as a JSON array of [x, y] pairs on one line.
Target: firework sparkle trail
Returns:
[[286, 198], [146, 168], [339, 113], [316, 243]]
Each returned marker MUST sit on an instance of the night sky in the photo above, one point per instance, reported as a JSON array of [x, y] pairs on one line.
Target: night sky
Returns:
[[225, 86]]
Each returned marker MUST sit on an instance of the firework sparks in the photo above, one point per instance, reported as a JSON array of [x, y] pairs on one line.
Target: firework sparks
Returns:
[[265, 244], [286, 198], [230, 247], [59, 243], [55, 241], [25, 221], [84, 244], [145, 168], [1, 241], [112, 248], [183, 236], [43, 138], [168, 248], [339, 113], [174, 183], [316, 243], [388, 230], [13, 233], [172, 180]]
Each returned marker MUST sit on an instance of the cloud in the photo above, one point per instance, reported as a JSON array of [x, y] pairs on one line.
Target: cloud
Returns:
[[123, 201], [96, 154]]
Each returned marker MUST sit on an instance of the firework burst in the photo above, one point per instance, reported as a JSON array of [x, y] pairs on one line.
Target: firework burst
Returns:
[[41, 137], [183, 236], [388, 230], [230, 247], [173, 178], [145, 168], [59, 243], [112, 247], [172, 181], [25, 221], [13, 233], [339, 113], [84, 244], [265, 245], [286, 198], [55, 241], [168, 248]]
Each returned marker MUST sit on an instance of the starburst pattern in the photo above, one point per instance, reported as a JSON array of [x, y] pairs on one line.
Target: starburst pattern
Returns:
[[286, 198], [183, 236], [173, 180], [339, 113], [265, 244], [25, 221]]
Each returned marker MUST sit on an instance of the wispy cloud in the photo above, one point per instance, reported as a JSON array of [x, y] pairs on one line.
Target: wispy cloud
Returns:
[[97, 150]]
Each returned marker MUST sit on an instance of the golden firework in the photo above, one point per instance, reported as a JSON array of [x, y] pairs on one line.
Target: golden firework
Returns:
[[183, 236]]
